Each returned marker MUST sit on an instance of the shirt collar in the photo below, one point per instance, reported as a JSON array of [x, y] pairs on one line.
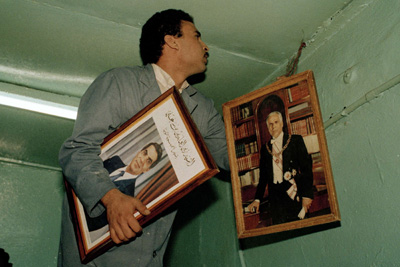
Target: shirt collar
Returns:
[[125, 176], [165, 81], [278, 140]]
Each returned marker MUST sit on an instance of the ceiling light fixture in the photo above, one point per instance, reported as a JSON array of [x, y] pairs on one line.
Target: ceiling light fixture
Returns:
[[38, 105]]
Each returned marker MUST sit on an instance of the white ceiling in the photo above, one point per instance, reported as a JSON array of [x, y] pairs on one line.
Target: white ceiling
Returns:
[[53, 49], [60, 46]]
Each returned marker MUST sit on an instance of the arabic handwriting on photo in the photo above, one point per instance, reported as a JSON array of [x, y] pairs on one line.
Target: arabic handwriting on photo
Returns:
[[180, 138]]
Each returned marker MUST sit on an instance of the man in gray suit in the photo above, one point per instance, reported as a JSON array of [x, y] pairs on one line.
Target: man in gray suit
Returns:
[[172, 51]]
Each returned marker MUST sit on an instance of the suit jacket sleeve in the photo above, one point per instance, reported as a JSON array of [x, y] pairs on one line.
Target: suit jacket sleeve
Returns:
[[210, 124], [101, 111], [304, 180], [262, 184], [215, 138]]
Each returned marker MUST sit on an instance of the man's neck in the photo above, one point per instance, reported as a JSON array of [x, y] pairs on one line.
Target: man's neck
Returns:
[[280, 135], [178, 76]]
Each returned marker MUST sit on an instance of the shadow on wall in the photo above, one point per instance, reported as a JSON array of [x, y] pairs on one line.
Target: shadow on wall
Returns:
[[282, 236], [4, 258]]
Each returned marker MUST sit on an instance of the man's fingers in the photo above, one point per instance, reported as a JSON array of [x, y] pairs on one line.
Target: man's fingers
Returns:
[[141, 207], [120, 214], [306, 203], [130, 231], [121, 233], [125, 229], [134, 225], [114, 236]]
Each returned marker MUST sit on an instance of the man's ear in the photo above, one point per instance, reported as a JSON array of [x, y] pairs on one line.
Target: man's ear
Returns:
[[170, 41]]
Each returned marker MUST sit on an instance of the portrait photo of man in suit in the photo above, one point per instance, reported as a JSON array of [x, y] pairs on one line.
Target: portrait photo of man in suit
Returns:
[[125, 176], [286, 170]]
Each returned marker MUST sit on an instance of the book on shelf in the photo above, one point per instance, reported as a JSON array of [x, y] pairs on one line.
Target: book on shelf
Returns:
[[296, 108], [242, 112], [320, 187], [311, 142], [251, 177], [318, 171], [299, 110], [303, 127], [244, 149], [298, 91], [316, 158], [244, 130], [248, 162], [318, 176]]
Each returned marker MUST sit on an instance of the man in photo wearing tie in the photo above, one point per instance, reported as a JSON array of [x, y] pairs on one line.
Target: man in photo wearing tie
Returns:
[[286, 168], [125, 176]]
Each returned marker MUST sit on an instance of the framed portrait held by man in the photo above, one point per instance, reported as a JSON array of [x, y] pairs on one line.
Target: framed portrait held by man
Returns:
[[158, 156]]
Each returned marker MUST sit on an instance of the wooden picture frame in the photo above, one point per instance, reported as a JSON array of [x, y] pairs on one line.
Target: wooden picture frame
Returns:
[[248, 138], [185, 163]]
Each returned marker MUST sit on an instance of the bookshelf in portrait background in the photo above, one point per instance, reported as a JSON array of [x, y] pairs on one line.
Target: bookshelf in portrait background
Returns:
[[248, 121], [295, 97], [246, 144], [302, 122]]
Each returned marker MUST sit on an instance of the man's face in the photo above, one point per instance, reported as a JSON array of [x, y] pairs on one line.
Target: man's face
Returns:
[[193, 53], [142, 161], [275, 125]]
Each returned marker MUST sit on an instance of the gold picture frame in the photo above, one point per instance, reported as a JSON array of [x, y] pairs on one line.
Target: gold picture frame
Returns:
[[185, 163], [248, 139]]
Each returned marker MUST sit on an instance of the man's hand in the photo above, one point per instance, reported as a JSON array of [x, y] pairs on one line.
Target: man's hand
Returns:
[[254, 207], [120, 210], [306, 202]]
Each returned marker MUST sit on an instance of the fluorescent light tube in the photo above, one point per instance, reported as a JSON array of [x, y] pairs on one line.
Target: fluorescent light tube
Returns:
[[38, 105]]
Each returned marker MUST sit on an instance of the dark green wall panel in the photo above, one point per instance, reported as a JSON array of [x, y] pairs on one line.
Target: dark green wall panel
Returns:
[[32, 137], [30, 205]]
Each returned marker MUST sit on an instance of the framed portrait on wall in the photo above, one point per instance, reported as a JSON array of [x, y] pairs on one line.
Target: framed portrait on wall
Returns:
[[176, 158], [280, 168]]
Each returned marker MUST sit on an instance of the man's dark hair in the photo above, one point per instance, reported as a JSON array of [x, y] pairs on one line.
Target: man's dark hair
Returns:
[[167, 22], [158, 150]]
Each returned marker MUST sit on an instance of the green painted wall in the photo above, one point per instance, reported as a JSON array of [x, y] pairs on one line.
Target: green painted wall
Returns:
[[30, 209], [204, 230], [364, 146], [362, 40], [31, 188]]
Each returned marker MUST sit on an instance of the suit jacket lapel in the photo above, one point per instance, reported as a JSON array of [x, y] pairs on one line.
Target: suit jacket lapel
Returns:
[[148, 79], [285, 158], [187, 94], [269, 144], [269, 163]]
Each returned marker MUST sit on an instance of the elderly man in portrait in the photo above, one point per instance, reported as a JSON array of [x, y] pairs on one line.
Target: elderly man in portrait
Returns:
[[125, 177], [286, 168]]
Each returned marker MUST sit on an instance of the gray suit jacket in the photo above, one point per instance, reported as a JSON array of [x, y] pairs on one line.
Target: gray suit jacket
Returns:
[[113, 98]]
